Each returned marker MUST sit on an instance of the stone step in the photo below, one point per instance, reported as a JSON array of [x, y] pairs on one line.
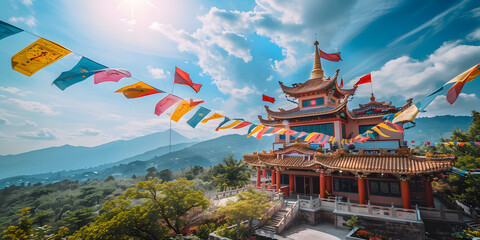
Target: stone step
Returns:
[[270, 228]]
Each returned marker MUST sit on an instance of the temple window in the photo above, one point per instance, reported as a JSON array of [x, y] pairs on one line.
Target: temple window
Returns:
[[284, 179], [345, 185], [417, 185], [313, 102], [326, 128], [384, 188]]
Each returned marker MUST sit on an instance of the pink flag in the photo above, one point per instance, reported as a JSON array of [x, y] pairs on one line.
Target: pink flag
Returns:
[[110, 75], [319, 138], [166, 103], [195, 102], [260, 134], [334, 57], [324, 140], [314, 137], [302, 134]]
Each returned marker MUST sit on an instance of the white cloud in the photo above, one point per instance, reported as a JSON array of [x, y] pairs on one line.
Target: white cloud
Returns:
[[270, 78], [406, 77], [475, 35], [4, 121], [41, 134], [157, 73], [27, 2], [475, 12], [32, 106], [88, 132], [29, 21], [463, 106], [14, 90]]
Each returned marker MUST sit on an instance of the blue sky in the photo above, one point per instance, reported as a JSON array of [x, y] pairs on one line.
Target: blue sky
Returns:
[[236, 49]]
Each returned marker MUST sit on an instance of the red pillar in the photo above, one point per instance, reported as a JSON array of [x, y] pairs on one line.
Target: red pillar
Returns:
[[429, 194], [361, 191], [405, 194], [329, 184], [322, 185], [273, 177], [278, 181], [259, 178], [290, 181]]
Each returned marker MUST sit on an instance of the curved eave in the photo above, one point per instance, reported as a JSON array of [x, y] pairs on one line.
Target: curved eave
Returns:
[[379, 115], [270, 123], [311, 85], [252, 160], [277, 115], [298, 147]]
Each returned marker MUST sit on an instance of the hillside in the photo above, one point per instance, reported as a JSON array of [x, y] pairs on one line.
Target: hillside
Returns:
[[69, 157]]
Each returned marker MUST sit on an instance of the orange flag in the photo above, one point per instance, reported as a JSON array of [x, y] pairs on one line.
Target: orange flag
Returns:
[[214, 116], [139, 89]]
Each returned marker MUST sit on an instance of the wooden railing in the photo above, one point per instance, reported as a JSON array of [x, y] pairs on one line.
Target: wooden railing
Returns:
[[288, 218], [314, 203]]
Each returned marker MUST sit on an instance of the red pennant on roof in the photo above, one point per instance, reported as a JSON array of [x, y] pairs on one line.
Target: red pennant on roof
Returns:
[[365, 79], [266, 98], [341, 83], [334, 57], [183, 78]]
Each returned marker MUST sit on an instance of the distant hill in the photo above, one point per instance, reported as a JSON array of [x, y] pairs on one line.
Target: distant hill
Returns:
[[432, 128], [69, 157]]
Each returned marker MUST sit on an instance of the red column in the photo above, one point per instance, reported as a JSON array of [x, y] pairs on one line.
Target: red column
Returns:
[[259, 178], [322, 185], [329, 184], [405, 194], [290, 181], [273, 177], [278, 181], [361, 191], [429, 194]]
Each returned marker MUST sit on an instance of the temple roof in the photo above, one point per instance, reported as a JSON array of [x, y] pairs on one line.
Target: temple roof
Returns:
[[312, 85], [296, 147], [402, 164], [306, 112]]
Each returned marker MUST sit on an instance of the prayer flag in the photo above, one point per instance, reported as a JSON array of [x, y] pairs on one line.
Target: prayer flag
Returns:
[[225, 120], [260, 134], [266, 98], [397, 126], [365, 79], [383, 125], [379, 132], [333, 139], [166, 103], [83, 70], [275, 130], [283, 131], [139, 89], [460, 81], [254, 130], [183, 78], [317, 139], [8, 30], [302, 134], [341, 83], [251, 128], [408, 115], [291, 132], [182, 108], [325, 139], [334, 57], [214, 116], [198, 116], [37, 55], [195, 102], [311, 135], [110, 75], [234, 123], [241, 125]]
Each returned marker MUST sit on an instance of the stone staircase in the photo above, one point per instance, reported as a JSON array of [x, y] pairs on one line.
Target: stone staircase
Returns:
[[276, 218]]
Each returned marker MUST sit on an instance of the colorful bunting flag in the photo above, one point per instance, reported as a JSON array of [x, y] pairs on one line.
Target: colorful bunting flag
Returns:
[[81, 71], [460, 81], [302, 134], [8, 30], [183, 78], [166, 103], [195, 102], [234, 123], [379, 132], [283, 131], [254, 130], [385, 126], [310, 136], [274, 130], [182, 108], [365, 79], [139, 89], [214, 116], [198, 116], [225, 120], [266, 98], [260, 134], [408, 115], [110, 75], [241, 125], [319, 138], [334, 57], [37, 55]]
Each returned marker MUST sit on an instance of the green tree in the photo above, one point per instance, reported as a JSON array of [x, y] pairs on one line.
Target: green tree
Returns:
[[24, 230], [231, 173], [175, 200], [151, 172], [166, 175], [76, 219], [251, 205]]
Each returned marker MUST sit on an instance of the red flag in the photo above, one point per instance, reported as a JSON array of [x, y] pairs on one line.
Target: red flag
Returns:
[[334, 57], [267, 98], [365, 79], [183, 78], [341, 83]]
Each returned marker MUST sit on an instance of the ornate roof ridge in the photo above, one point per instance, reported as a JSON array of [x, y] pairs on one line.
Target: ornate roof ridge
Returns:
[[274, 114], [297, 146], [311, 85]]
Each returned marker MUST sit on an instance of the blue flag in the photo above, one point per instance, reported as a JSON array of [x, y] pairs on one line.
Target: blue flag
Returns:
[[7, 30], [199, 115], [83, 70], [251, 128], [225, 120]]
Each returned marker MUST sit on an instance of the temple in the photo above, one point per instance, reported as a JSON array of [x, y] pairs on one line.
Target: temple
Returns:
[[381, 171]]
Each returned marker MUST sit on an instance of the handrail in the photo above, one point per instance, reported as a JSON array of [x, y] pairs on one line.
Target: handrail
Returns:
[[287, 218]]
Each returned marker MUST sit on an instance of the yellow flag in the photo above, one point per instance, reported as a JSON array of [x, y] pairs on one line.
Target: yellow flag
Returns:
[[181, 110], [234, 123], [256, 129], [214, 116], [283, 131], [310, 136], [379, 132], [37, 55], [383, 125], [343, 141], [333, 139], [466, 76], [408, 115]]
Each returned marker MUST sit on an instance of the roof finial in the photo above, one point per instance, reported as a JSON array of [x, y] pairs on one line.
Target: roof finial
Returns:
[[317, 71], [372, 98]]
